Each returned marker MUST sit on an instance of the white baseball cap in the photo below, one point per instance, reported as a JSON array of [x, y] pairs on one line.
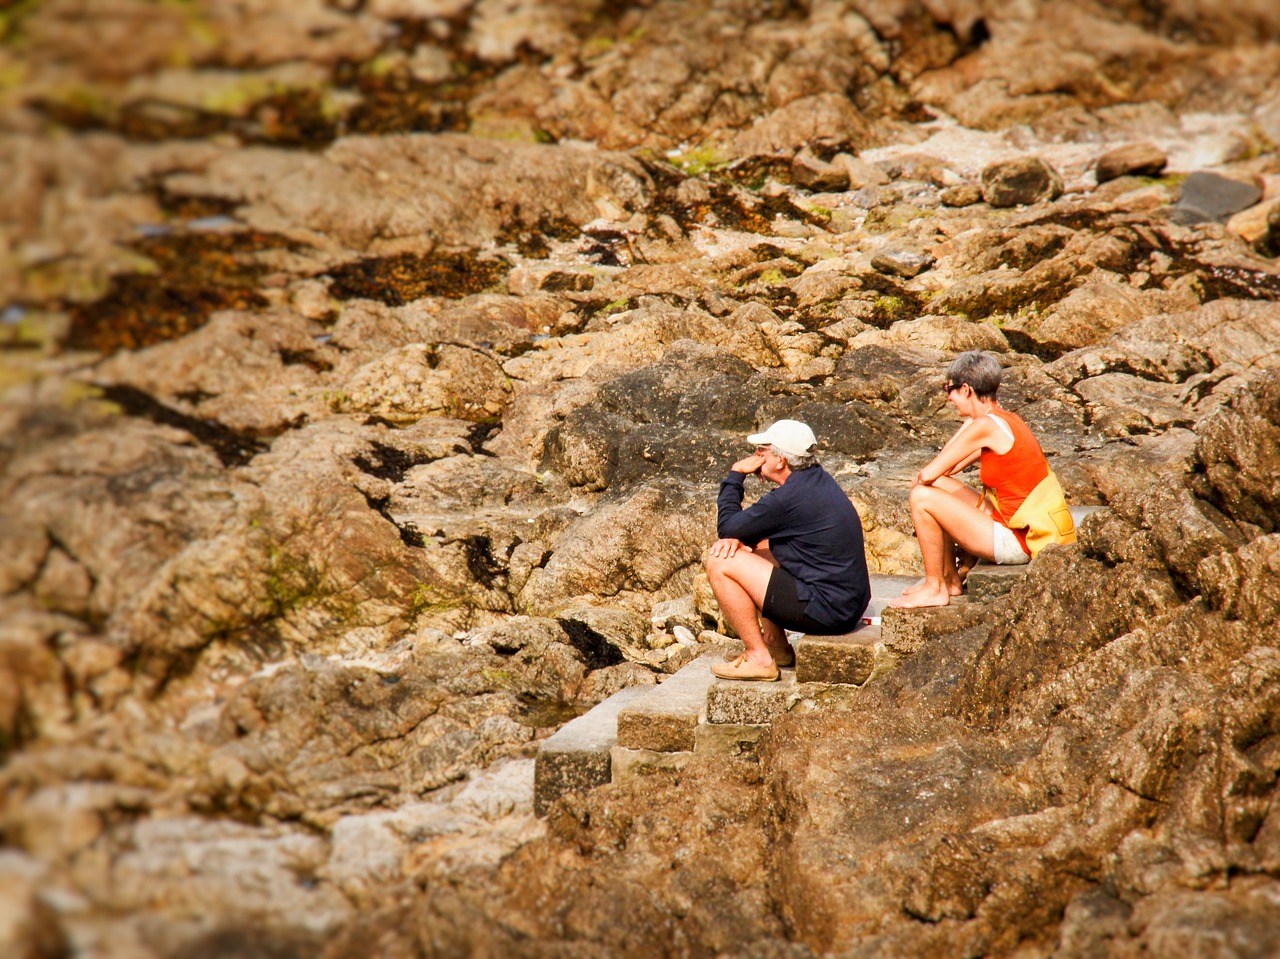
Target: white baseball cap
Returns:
[[786, 436]]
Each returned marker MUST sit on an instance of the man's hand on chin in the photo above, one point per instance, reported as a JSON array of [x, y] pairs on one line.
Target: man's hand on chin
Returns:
[[749, 465]]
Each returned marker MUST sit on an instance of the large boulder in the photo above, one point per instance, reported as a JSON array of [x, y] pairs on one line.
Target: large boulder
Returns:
[[627, 552], [688, 416]]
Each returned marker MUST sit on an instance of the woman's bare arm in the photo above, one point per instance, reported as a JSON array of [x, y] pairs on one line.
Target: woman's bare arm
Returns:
[[961, 450], [965, 463]]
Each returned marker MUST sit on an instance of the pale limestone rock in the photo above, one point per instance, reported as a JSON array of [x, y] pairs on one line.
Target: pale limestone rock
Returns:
[[648, 540], [409, 193], [419, 380], [226, 867], [826, 116], [950, 333], [1120, 403], [861, 173], [504, 789], [23, 547]]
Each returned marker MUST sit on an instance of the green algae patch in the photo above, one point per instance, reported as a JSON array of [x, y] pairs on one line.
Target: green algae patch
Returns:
[[426, 602], [509, 129], [893, 302], [396, 280], [614, 307], [698, 161], [885, 219]]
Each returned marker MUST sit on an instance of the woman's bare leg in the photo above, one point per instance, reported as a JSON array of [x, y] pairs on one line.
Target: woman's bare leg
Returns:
[[944, 520], [954, 572], [965, 560]]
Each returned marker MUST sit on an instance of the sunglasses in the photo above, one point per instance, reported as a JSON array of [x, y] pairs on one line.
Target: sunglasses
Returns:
[[949, 388]]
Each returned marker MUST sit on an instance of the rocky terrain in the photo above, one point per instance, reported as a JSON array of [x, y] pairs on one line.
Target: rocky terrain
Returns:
[[367, 369]]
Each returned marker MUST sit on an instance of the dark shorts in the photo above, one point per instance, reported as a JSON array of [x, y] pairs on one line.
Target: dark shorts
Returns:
[[784, 607]]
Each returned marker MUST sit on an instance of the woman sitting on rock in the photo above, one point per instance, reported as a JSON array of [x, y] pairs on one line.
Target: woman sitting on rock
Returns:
[[1022, 508]]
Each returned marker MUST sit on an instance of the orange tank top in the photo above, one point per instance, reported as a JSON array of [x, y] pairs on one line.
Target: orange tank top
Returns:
[[1013, 475]]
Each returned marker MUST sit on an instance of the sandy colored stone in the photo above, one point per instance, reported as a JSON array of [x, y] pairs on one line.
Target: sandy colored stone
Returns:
[[1135, 159]]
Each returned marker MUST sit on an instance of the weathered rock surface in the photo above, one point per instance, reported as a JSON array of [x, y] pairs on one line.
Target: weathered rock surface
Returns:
[[367, 371], [1083, 742]]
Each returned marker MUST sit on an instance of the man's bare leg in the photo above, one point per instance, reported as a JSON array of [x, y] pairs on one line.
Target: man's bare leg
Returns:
[[774, 635], [739, 583]]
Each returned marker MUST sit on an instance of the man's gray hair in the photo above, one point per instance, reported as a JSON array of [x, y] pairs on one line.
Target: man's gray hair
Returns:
[[977, 370], [796, 462]]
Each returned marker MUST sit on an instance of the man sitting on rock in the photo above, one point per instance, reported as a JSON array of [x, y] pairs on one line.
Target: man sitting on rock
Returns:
[[794, 560]]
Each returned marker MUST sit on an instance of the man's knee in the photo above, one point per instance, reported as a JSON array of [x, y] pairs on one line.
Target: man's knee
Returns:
[[719, 565]]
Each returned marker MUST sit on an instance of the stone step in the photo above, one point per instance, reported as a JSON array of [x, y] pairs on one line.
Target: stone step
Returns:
[[631, 764], [905, 631], [729, 740], [1078, 513], [736, 703], [848, 658], [664, 718], [713, 742], [854, 658], [987, 580], [883, 589], [576, 757], [692, 714]]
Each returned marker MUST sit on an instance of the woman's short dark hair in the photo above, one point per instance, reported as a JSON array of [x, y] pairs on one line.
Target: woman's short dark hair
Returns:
[[979, 371]]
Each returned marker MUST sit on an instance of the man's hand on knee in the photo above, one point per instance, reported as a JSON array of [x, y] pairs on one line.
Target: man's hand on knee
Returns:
[[725, 548]]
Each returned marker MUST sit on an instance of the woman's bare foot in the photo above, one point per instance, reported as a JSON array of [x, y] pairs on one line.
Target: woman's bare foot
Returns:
[[955, 587], [924, 597]]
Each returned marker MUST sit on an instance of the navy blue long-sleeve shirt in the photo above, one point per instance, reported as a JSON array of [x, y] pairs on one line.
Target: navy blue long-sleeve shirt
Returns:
[[815, 534]]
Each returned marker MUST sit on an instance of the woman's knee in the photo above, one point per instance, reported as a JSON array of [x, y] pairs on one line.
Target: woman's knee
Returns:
[[922, 495]]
